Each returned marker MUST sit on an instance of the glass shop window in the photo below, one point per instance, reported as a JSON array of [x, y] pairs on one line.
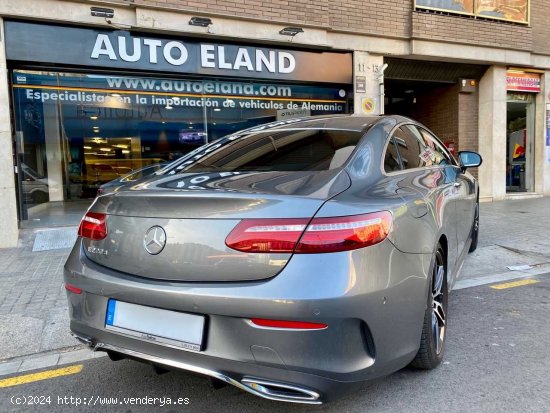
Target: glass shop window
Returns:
[[77, 131]]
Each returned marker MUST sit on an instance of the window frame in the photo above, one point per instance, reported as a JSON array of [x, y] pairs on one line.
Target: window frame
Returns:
[[391, 141], [403, 170], [391, 136], [439, 143]]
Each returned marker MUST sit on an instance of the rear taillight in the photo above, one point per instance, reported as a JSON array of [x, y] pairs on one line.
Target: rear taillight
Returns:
[[320, 235], [344, 233], [266, 235], [93, 226]]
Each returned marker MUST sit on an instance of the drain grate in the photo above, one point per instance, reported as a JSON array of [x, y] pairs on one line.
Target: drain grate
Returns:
[[54, 239]]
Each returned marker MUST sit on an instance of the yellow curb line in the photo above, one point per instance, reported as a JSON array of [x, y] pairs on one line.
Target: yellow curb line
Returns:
[[514, 284], [44, 375]]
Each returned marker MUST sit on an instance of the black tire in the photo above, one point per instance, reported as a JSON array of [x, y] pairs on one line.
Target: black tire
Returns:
[[432, 341], [475, 230]]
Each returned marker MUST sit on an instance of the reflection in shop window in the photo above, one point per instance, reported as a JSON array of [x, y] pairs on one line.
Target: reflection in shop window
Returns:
[[78, 131]]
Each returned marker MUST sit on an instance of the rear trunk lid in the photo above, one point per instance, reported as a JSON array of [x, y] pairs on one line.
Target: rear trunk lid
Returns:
[[186, 218]]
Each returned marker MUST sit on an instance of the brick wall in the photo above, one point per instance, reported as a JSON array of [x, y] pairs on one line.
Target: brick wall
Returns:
[[471, 31], [438, 110], [468, 121], [384, 17], [393, 18], [451, 115], [312, 12], [540, 21], [468, 105]]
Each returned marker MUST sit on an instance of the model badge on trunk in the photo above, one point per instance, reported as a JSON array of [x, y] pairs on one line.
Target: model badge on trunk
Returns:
[[155, 240]]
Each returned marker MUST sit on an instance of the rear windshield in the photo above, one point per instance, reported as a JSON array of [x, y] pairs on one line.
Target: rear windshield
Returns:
[[288, 150]]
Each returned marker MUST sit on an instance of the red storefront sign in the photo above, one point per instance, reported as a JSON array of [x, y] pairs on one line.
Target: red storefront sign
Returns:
[[522, 82]]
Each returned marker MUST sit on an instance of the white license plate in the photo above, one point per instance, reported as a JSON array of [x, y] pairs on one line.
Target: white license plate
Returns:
[[166, 327]]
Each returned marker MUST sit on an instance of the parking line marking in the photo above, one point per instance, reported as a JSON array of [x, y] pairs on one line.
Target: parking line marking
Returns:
[[468, 282], [45, 375], [514, 284]]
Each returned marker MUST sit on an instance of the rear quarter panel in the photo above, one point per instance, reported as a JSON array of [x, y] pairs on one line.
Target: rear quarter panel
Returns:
[[421, 200]]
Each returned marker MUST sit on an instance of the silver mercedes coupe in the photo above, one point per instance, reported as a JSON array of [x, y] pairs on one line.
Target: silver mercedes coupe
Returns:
[[293, 260]]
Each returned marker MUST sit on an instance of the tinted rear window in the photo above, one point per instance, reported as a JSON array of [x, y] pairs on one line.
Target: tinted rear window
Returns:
[[289, 150], [409, 148]]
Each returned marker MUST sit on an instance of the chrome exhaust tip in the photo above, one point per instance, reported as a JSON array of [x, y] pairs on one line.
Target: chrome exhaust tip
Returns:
[[282, 391]]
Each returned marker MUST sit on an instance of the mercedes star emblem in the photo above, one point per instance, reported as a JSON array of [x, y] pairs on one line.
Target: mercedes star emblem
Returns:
[[155, 240]]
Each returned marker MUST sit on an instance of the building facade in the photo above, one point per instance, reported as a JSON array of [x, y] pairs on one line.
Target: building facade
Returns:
[[94, 89]]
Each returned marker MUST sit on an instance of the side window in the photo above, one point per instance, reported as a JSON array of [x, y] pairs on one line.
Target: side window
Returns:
[[409, 148], [391, 159], [438, 154]]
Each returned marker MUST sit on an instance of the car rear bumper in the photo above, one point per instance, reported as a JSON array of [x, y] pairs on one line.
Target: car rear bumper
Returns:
[[263, 381], [374, 320]]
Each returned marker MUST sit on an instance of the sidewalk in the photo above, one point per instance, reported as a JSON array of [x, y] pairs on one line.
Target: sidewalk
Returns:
[[33, 306], [514, 232]]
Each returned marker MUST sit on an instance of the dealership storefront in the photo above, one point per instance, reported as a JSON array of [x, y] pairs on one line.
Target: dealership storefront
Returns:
[[85, 99], [90, 105]]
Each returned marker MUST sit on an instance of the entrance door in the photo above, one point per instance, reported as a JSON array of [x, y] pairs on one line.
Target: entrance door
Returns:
[[520, 118]]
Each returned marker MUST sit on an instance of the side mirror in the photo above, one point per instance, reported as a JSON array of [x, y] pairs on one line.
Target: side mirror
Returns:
[[469, 159]]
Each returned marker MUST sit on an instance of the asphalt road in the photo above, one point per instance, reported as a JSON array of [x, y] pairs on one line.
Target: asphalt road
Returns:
[[497, 360]]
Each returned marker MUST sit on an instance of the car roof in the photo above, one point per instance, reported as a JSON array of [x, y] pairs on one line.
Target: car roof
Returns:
[[353, 122]]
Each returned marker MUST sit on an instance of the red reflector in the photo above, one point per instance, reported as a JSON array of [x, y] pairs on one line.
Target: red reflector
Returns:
[[322, 235], [93, 226], [73, 289], [296, 325]]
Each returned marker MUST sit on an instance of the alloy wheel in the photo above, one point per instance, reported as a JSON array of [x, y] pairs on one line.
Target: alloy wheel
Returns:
[[438, 303]]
